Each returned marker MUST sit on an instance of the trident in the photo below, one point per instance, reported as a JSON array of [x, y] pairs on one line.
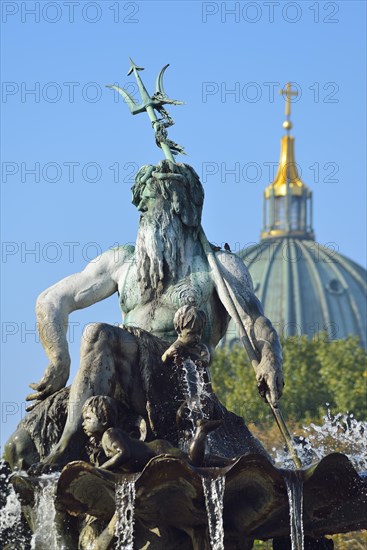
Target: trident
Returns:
[[150, 104], [156, 102]]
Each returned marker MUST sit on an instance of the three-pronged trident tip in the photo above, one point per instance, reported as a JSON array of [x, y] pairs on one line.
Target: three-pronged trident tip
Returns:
[[150, 104]]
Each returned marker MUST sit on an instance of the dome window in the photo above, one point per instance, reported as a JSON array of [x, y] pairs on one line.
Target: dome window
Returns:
[[335, 287]]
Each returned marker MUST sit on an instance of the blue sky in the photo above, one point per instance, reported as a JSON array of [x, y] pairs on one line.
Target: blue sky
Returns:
[[70, 150]]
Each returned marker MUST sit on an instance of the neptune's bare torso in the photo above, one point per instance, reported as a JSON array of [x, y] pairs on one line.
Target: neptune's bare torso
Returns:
[[155, 315]]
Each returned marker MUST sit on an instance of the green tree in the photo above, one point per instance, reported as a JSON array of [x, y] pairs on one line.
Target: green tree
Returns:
[[344, 372], [235, 384], [316, 372]]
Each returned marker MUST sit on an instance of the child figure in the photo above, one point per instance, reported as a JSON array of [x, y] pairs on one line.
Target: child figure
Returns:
[[190, 360], [132, 455], [112, 448], [101, 413], [189, 354], [189, 323]]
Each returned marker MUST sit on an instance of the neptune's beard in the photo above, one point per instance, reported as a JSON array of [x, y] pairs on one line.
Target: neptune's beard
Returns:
[[159, 251]]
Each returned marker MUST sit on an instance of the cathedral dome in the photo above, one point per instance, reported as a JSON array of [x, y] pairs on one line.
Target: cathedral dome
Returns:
[[304, 287]]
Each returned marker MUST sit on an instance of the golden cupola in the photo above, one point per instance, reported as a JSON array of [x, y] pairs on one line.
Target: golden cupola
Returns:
[[287, 200], [304, 287]]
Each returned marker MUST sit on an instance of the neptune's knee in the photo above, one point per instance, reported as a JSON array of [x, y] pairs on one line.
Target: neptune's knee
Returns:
[[95, 334]]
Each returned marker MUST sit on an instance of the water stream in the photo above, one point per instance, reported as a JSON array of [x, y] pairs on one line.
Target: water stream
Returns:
[[194, 384], [340, 433], [11, 530], [45, 536], [194, 390], [214, 492], [125, 501], [294, 486]]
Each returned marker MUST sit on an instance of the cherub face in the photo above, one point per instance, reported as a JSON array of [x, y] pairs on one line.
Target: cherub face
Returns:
[[190, 335], [92, 425]]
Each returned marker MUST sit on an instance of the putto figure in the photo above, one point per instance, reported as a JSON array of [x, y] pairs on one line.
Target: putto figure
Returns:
[[113, 448], [189, 323], [167, 269]]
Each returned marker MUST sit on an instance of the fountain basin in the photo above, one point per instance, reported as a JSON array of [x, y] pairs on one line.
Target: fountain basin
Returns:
[[169, 492]]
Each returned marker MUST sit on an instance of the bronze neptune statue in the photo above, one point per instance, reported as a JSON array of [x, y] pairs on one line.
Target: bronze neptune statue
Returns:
[[143, 394]]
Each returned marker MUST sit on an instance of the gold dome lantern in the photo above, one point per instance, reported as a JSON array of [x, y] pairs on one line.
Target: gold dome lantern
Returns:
[[287, 200]]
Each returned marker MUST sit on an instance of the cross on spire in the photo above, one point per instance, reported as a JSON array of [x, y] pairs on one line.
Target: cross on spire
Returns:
[[288, 93]]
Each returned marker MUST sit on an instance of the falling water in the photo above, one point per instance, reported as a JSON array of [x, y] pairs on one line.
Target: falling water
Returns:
[[11, 529], [340, 433], [213, 492], [194, 385], [45, 535], [10, 513], [194, 390], [125, 500], [294, 486]]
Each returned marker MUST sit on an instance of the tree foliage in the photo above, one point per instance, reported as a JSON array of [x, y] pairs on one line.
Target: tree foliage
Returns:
[[318, 373]]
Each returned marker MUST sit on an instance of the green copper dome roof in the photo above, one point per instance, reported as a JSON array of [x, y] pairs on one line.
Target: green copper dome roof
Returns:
[[306, 288]]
